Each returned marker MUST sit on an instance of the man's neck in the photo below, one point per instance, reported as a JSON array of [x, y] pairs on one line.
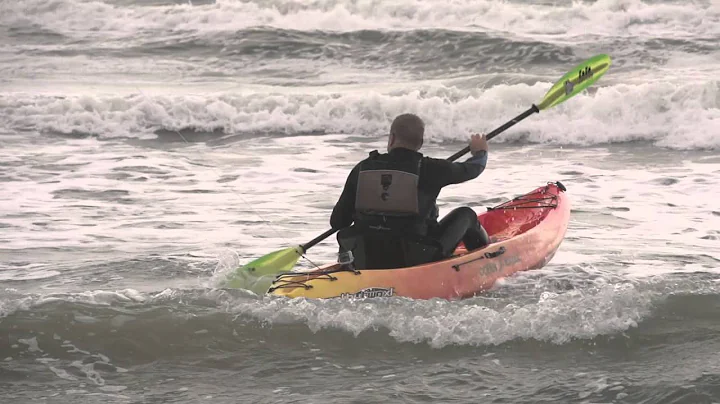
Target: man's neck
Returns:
[[403, 148]]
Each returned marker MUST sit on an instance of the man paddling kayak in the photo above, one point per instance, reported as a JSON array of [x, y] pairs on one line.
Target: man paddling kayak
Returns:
[[390, 201]]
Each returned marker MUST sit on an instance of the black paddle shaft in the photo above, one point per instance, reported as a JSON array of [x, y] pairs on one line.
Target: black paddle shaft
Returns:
[[318, 239], [499, 130], [454, 157]]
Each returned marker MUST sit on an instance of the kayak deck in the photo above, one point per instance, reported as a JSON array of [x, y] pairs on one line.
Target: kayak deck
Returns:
[[518, 215]]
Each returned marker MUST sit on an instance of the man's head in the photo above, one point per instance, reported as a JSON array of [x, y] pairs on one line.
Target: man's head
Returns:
[[406, 131]]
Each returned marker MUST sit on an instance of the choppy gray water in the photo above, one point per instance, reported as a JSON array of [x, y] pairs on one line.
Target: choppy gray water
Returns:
[[148, 147]]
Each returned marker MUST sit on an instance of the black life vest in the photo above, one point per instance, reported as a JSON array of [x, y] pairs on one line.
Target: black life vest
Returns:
[[387, 194]]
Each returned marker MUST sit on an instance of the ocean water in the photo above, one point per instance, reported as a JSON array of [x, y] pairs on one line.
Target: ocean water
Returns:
[[148, 147]]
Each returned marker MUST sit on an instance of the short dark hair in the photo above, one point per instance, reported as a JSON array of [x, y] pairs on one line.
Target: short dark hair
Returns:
[[409, 130]]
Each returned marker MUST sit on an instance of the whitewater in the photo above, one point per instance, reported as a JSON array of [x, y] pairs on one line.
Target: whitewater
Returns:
[[149, 147]]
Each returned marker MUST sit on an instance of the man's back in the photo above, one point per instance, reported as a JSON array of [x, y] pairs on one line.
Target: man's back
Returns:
[[434, 175], [391, 199]]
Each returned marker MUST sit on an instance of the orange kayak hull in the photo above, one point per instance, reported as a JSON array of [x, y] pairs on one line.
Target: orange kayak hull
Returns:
[[525, 233]]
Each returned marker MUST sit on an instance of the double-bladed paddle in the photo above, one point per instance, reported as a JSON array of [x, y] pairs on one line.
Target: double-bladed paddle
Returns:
[[570, 84]]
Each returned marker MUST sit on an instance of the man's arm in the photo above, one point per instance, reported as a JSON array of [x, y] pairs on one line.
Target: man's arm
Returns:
[[467, 170], [455, 173], [442, 172], [342, 214]]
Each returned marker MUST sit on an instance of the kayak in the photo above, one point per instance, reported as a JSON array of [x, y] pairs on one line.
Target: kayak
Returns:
[[525, 233]]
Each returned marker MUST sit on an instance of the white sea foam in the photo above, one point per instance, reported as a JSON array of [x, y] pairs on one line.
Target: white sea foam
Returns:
[[12, 301], [557, 317], [670, 114], [567, 19], [554, 317]]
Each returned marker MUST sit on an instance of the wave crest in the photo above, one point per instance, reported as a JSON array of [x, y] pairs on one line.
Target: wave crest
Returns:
[[680, 116]]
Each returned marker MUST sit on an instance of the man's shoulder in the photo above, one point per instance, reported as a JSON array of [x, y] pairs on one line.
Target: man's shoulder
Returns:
[[373, 155], [369, 157]]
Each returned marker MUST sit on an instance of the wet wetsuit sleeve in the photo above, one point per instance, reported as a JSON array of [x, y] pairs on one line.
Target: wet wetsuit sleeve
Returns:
[[454, 173], [342, 214]]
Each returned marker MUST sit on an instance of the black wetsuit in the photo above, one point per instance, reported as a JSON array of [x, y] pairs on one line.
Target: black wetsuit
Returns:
[[434, 174]]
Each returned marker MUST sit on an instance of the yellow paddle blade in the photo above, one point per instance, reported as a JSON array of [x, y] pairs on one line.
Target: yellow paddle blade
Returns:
[[273, 263], [576, 80], [248, 275]]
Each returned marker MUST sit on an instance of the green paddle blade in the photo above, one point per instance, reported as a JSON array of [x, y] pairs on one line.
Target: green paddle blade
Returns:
[[267, 265], [576, 80], [258, 274], [273, 263]]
